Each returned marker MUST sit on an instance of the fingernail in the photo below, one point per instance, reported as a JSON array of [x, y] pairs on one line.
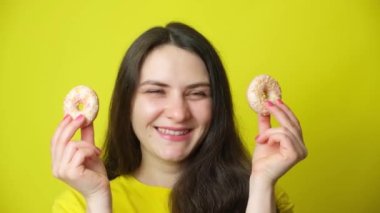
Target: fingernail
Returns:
[[270, 103], [280, 101], [79, 117], [98, 151], [259, 140], [66, 116]]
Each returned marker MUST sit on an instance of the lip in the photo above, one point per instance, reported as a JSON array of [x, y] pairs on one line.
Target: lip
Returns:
[[174, 138]]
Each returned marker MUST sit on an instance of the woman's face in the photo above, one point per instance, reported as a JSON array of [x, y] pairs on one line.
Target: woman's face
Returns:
[[171, 110]]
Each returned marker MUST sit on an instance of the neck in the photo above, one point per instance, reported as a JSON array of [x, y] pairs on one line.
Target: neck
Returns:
[[157, 172]]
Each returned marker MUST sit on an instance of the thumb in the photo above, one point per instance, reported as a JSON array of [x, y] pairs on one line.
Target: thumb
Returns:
[[87, 134], [263, 123]]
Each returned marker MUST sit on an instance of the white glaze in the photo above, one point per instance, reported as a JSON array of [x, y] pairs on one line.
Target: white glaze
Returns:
[[85, 96], [261, 89]]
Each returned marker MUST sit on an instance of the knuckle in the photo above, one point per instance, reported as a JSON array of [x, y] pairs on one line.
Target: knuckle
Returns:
[[295, 125], [85, 145], [283, 130], [301, 156], [291, 158], [61, 173], [80, 154], [286, 135], [294, 157], [72, 175], [71, 145]]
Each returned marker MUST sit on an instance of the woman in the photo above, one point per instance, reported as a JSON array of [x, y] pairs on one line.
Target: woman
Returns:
[[172, 144]]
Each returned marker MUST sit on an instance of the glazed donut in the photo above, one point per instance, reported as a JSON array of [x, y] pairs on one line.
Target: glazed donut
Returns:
[[261, 89], [81, 100]]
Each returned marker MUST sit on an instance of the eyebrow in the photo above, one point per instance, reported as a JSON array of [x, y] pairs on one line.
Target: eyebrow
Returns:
[[190, 86]]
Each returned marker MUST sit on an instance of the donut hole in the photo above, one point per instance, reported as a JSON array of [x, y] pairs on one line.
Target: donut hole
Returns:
[[269, 95], [265, 94], [80, 106]]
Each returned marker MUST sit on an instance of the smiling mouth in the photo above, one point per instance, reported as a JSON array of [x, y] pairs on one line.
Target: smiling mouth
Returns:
[[173, 132]]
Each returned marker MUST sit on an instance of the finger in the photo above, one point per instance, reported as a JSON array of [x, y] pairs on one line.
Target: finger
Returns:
[[263, 123], [53, 144], [69, 152], [268, 135], [296, 151], [294, 122], [70, 129], [87, 134], [281, 117], [76, 166], [73, 147], [281, 129], [288, 112], [81, 155], [285, 143], [60, 127], [263, 137], [288, 138], [61, 165], [66, 135], [66, 120]]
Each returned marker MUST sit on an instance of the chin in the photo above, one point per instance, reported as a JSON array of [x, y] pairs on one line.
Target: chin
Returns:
[[174, 157]]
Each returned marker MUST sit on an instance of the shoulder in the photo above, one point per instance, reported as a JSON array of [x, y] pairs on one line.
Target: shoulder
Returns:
[[284, 204]]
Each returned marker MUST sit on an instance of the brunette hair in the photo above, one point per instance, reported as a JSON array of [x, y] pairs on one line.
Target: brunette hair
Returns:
[[215, 176]]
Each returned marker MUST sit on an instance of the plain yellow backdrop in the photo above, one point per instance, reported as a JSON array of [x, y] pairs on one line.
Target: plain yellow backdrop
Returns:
[[325, 54]]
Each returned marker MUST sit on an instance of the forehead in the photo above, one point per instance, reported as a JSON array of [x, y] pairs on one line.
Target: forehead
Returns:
[[169, 63]]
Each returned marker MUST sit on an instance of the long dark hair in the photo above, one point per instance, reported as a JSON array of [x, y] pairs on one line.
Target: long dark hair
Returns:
[[215, 176]]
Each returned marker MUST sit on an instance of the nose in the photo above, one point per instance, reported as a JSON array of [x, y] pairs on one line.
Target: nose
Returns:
[[177, 109]]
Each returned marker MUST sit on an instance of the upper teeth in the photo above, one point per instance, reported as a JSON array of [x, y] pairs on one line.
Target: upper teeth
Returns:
[[172, 132]]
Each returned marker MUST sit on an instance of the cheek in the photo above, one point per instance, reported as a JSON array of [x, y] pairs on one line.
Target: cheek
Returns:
[[145, 111], [202, 112]]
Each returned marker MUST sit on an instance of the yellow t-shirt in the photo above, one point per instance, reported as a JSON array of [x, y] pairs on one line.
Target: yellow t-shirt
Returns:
[[130, 195]]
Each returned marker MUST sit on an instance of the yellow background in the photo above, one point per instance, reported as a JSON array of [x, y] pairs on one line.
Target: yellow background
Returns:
[[325, 54]]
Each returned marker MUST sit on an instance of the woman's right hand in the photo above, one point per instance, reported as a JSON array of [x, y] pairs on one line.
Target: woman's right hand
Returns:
[[78, 163]]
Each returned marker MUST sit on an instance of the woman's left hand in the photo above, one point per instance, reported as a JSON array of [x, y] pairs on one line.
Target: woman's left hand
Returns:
[[277, 149]]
